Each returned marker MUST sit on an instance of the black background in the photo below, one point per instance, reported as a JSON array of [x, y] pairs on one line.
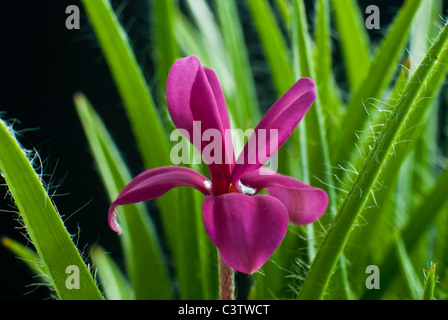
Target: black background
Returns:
[[42, 65]]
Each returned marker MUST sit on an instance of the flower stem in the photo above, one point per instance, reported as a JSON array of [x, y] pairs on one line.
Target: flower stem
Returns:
[[226, 281]]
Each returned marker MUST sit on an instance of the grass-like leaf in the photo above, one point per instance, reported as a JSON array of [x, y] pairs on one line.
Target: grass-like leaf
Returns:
[[430, 283], [44, 226], [145, 263], [408, 271], [243, 104], [423, 216], [273, 43], [354, 40], [335, 239], [130, 82], [379, 75], [26, 254], [145, 121], [114, 283], [162, 13]]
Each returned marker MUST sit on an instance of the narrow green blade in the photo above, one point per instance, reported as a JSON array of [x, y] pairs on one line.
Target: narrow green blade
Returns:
[[335, 239], [379, 75], [45, 227], [430, 283], [243, 104], [273, 43], [28, 255], [144, 258], [162, 13], [411, 279], [354, 39], [148, 130], [130, 82], [112, 280], [316, 136], [423, 216]]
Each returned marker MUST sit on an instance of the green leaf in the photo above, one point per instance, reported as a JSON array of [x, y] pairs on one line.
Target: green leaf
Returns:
[[243, 104], [28, 255], [162, 27], [430, 283], [379, 75], [336, 238], [324, 77], [319, 164], [274, 45], [145, 263], [422, 217], [425, 152], [130, 82], [378, 216], [150, 135], [354, 40], [198, 258], [112, 280], [44, 226], [213, 42], [411, 278]]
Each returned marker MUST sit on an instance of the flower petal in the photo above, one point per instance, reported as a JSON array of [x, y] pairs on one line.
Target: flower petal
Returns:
[[222, 110], [245, 229], [153, 183], [277, 125], [305, 204], [196, 103]]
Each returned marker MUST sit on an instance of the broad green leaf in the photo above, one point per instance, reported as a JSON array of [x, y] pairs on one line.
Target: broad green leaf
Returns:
[[145, 263], [112, 280], [379, 75], [44, 226], [354, 40], [336, 238]]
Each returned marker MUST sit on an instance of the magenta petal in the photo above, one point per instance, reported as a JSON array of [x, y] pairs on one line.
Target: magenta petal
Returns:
[[245, 229], [305, 204], [195, 95], [178, 91], [223, 114], [153, 183], [283, 116]]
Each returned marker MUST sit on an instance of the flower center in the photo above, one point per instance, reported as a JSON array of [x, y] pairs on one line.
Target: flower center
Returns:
[[231, 189]]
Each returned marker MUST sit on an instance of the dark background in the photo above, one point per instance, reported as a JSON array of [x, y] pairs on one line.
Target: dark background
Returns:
[[42, 64]]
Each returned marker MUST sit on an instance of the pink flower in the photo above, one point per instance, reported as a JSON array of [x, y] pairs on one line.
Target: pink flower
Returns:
[[245, 226]]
